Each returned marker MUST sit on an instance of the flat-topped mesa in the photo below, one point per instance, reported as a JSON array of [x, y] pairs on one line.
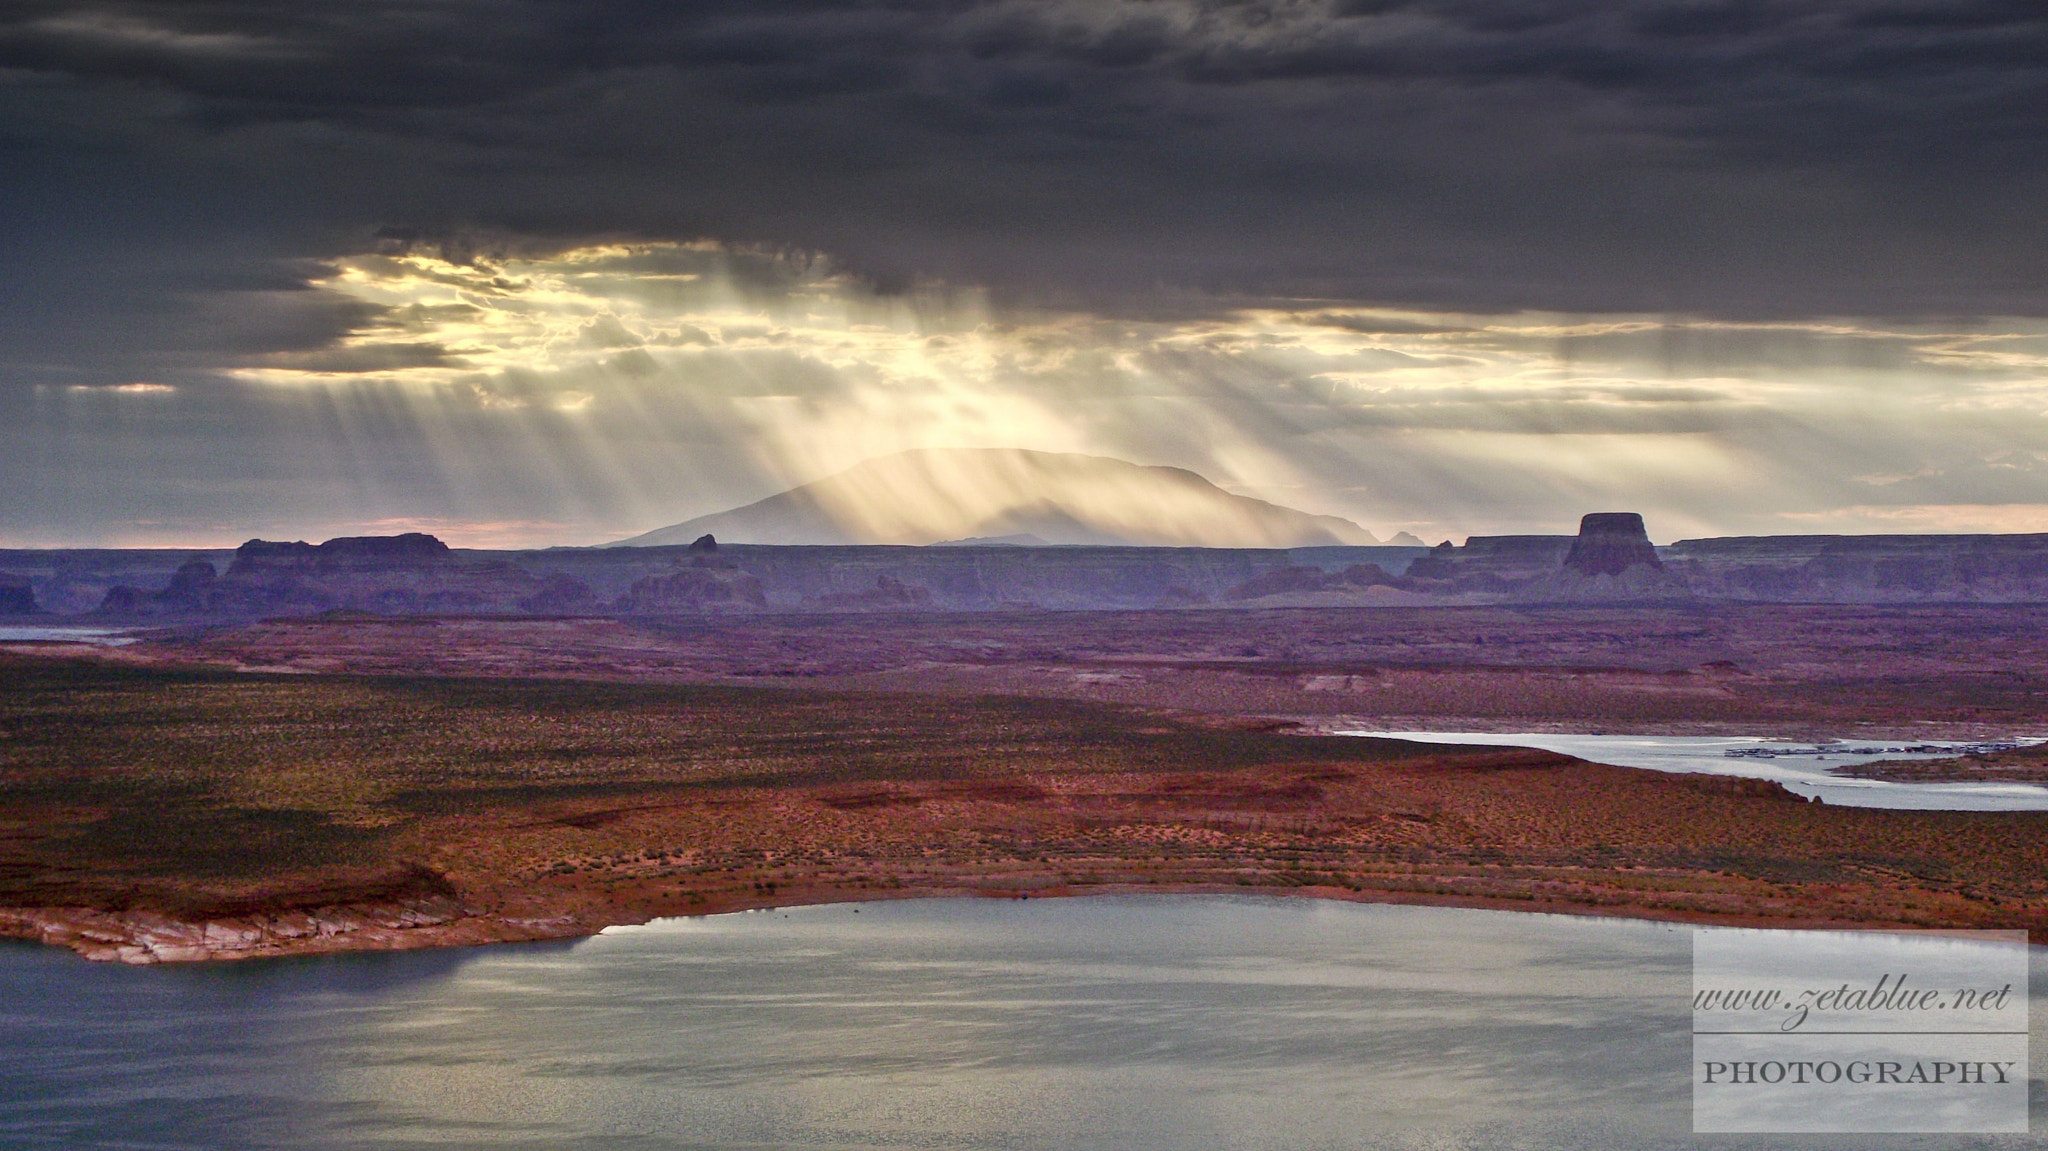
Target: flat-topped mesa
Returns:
[[344, 553], [1610, 543], [1514, 558], [375, 551]]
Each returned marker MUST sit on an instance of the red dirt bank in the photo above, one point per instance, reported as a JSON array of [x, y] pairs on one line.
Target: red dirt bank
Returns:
[[161, 817]]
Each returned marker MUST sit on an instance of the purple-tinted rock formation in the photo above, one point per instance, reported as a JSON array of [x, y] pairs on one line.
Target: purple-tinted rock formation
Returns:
[[122, 600], [1440, 563], [1287, 579], [1867, 569], [189, 587], [559, 595], [17, 595], [1514, 558], [1610, 543], [345, 553], [1311, 579], [888, 592], [693, 589]]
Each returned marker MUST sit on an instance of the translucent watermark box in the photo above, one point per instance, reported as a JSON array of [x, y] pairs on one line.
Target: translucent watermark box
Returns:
[[1853, 1031]]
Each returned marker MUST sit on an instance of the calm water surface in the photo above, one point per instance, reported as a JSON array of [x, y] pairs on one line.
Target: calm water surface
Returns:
[[103, 636], [1130, 1023], [1802, 774]]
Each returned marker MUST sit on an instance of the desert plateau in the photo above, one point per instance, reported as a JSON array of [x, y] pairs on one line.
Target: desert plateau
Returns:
[[188, 777]]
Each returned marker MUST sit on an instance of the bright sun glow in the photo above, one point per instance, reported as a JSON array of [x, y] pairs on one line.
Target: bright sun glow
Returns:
[[626, 386]]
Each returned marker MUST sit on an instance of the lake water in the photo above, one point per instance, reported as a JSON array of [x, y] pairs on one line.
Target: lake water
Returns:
[[99, 636], [1154, 1022], [1803, 774]]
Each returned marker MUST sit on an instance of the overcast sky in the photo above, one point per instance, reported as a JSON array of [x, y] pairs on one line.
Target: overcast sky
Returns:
[[530, 272]]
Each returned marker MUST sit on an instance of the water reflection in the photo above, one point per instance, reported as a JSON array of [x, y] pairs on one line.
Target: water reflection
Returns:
[[1155, 1022]]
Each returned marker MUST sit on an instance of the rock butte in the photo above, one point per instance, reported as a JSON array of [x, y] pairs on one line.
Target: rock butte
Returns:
[[1610, 543], [1610, 561]]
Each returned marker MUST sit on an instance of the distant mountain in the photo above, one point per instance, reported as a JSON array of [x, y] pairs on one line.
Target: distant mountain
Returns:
[[939, 495], [1020, 541]]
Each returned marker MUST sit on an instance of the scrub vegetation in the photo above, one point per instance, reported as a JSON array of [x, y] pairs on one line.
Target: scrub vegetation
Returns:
[[208, 796]]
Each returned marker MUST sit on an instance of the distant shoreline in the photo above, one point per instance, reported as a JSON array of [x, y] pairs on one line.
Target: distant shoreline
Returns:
[[2027, 765]]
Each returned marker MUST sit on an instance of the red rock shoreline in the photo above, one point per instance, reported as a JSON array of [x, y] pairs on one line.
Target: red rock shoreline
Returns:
[[142, 938], [173, 815]]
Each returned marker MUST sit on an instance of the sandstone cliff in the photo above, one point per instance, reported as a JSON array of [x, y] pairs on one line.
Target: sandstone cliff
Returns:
[[1866, 569], [1610, 561]]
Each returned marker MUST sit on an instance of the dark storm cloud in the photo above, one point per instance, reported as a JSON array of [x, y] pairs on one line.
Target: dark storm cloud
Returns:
[[180, 181], [1749, 157]]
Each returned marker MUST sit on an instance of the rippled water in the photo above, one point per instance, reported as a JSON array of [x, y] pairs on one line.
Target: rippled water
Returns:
[[1184, 1022], [1804, 775]]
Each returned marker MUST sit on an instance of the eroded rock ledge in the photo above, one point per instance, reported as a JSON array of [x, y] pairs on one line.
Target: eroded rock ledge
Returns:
[[140, 937], [407, 908]]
